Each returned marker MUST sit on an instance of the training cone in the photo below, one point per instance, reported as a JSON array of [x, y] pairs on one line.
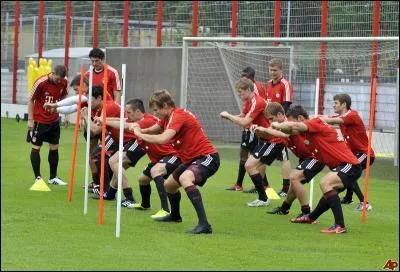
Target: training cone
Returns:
[[271, 194], [40, 186]]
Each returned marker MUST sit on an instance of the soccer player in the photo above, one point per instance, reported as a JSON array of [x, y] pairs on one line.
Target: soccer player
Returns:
[[249, 141], [163, 160], [280, 90], [307, 168], [199, 158], [329, 148], [354, 132], [269, 147], [96, 56], [44, 126]]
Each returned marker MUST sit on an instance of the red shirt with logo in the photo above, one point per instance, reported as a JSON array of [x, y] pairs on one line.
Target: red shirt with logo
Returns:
[[327, 145], [44, 90], [354, 132], [155, 152], [279, 92], [114, 84], [190, 141], [298, 147]]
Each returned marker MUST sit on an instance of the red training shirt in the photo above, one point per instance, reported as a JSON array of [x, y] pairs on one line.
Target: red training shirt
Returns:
[[114, 84], [279, 92], [298, 147]]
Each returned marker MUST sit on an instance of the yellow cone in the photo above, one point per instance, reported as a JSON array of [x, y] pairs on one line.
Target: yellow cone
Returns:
[[40, 185], [271, 194]]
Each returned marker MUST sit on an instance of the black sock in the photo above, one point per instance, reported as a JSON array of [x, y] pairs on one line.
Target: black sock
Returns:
[[195, 197], [349, 194], [128, 194], [174, 200], [145, 192], [286, 206], [265, 181], [358, 192], [159, 180], [257, 180], [96, 178], [322, 207], [241, 173], [35, 161], [333, 201], [285, 185], [53, 162], [305, 209], [111, 192]]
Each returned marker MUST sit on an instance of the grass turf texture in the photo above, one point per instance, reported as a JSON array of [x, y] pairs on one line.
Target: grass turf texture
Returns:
[[43, 231]]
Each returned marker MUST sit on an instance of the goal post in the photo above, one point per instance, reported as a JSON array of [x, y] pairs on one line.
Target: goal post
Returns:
[[210, 70]]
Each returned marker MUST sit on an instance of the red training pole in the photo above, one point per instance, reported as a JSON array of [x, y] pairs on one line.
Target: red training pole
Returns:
[[76, 132], [375, 44], [195, 21], [322, 60], [103, 138], [126, 23], [277, 21], [40, 33], [15, 60], [95, 23], [67, 34], [159, 23]]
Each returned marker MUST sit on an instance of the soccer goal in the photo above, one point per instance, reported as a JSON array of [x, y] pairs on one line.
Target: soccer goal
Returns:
[[317, 67]]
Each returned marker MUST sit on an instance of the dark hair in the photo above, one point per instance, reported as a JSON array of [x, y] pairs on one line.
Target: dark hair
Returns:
[[161, 97], [96, 53], [295, 111], [97, 91], [136, 104], [273, 108], [248, 72], [343, 98], [60, 71], [76, 81]]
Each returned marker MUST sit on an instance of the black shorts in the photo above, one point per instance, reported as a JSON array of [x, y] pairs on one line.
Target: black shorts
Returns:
[[311, 167], [45, 133], [92, 136], [134, 152], [172, 162], [362, 159], [249, 140], [349, 174], [110, 148], [202, 167], [268, 152]]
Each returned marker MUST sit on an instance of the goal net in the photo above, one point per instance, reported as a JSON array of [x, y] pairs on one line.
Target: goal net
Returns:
[[313, 65]]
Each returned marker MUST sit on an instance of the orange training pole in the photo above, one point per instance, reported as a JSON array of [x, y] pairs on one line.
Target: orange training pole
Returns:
[[371, 127], [78, 117], [103, 138]]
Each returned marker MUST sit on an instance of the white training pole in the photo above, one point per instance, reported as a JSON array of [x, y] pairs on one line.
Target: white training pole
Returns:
[[89, 98], [121, 150], [315, 113]]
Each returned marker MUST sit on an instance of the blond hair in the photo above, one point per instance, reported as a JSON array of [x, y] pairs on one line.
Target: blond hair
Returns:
[[244, 84], [275, 63], [161, 97]]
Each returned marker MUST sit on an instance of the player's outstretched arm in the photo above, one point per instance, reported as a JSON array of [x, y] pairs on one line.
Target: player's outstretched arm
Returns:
[[154, 129], [289, 127], [156, 138], [237, 119], [332, 120], [262, 131]]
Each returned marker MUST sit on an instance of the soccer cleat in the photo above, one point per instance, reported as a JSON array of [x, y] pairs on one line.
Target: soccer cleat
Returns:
[[250, 191], [360, 207], [168, 218], [160, 213], [258, 203], [303, 219], [199, 229], [346, 201], [235, 187], [105, 196], [278, 210], [334, 229], [138, 206], [95, 190], [57, 181], [282, 193], [128, 203]]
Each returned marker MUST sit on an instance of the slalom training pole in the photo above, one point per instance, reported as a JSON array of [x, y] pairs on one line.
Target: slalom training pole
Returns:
[[316, 102], [78, 118], [85, 204], [103, 138], [370, 128], [121, 150]]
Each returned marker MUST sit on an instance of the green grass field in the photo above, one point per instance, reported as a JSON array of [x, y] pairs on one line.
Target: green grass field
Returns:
[[43, 231]]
